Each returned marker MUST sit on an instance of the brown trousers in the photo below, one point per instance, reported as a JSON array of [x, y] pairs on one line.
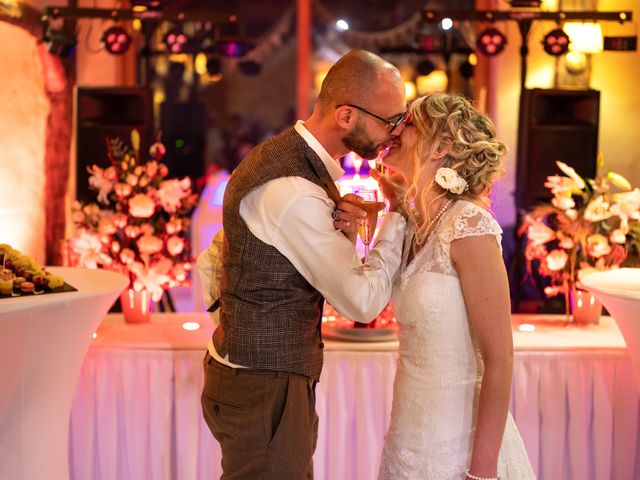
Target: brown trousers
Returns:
[[265, 422]]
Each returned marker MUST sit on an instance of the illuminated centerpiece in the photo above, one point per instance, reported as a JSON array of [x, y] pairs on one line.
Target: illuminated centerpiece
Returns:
[[591, 225], [139, 227]]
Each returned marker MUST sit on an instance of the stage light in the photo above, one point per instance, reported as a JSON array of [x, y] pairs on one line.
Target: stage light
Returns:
[[116, 40], [140, 6], [232, 48], [556, 42], [200, 63], [586, 37], [491, 42], [576, 62], [472, 59], [432, 43], [342, 25], [250, 68], [175, 40], [60, 44], [446, 23], [425, 67]]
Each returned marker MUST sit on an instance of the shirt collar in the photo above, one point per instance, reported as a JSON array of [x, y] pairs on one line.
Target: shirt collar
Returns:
[[333, 167]]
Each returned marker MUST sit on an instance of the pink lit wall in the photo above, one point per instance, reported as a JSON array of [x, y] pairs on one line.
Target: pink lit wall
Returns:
[[23, 118]]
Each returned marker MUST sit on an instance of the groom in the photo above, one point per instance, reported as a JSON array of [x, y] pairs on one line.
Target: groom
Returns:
[[281, 258]]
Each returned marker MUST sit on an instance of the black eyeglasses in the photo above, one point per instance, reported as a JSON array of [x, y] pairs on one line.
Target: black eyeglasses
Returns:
[[391, 125]]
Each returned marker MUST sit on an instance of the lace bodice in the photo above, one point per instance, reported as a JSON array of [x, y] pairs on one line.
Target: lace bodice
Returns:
[[464, 219], [439, 371]]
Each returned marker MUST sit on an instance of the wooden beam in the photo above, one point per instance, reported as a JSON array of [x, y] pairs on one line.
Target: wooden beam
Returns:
[[303, 58]]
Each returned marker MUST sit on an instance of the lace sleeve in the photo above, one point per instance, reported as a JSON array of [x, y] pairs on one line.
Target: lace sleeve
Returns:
[[470, 220], [473, 221]]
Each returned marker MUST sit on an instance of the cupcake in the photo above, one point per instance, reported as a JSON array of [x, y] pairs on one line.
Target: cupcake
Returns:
[[27, 287], [6, 282]]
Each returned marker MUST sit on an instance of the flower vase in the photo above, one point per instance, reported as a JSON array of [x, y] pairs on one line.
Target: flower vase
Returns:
[[136, 305], [585, 307]]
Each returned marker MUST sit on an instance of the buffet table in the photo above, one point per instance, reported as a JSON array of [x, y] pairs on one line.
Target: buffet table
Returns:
[[43, 340], [136, 412]]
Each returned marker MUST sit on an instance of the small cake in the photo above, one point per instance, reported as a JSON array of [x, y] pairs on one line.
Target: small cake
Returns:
[[27, 287], [6, 282], [18, 281]]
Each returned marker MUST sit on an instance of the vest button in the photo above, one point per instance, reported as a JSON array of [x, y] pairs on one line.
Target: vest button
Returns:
[[321, 345]]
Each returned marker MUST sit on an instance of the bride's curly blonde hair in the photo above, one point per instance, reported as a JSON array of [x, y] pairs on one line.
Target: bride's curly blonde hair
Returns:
[[451, 130]]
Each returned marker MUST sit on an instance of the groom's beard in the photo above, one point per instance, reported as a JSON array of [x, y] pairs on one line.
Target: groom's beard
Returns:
[[359, 142]]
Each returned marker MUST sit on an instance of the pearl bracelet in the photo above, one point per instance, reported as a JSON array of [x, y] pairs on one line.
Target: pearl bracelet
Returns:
[[475, 477]]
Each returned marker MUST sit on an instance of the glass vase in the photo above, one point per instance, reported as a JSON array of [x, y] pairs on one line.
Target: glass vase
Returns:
[[136, 305]]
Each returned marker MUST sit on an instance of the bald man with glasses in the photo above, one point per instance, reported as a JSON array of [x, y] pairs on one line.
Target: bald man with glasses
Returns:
[[281, 257]]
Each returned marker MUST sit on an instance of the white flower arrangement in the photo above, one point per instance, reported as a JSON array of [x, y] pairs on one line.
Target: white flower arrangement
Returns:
[[449, 179], [142, 226], [587, 227]]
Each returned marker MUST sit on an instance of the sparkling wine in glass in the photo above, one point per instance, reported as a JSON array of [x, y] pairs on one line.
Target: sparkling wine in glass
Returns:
[[367, 228]]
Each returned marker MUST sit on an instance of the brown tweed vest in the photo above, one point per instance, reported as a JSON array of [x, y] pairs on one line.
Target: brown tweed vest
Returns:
[[270, 315]]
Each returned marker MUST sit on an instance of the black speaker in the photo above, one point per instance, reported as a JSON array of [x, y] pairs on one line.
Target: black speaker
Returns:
[[103, 113], [554, 125], [183, 127]]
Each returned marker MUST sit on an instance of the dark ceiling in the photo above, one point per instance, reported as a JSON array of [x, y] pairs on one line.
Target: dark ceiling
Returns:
[[257, 16]]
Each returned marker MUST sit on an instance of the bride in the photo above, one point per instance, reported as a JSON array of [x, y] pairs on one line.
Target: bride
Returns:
[[450, 417]]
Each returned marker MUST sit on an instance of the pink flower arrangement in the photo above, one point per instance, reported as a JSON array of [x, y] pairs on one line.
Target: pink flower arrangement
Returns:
[[590, 225], [140, 225]]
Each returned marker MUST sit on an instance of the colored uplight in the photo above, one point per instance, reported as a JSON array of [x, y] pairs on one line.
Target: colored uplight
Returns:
[[527, 327], [491, 42], [190, 326], [116, 40], [556, 42], [232, 48], [175, 40]]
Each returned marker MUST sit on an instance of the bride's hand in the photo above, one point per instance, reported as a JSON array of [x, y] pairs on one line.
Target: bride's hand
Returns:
[[394, 187], [348, 215]]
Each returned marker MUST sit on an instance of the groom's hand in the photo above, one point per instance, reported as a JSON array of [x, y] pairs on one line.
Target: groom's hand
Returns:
[[394, 187], [348, 215]]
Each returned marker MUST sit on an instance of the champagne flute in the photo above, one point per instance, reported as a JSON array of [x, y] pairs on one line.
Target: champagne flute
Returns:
[[371, 205]]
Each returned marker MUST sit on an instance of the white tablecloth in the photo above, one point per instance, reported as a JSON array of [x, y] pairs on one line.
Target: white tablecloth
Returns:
[[136, 413], [43, 340]]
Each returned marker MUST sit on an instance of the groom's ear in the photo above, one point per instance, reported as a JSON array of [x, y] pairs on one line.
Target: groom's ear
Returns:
[[344, 117]]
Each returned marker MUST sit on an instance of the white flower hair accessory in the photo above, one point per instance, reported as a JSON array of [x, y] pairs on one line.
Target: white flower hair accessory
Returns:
[[449, 179]]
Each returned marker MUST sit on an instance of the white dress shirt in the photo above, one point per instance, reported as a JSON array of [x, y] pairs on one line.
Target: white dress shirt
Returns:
[[294, 216]]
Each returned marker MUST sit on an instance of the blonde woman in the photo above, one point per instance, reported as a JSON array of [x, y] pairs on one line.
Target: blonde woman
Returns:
[[450, 417]]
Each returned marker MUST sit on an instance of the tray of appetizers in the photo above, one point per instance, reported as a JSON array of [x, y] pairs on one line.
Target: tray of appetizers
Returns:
[[20, 275]]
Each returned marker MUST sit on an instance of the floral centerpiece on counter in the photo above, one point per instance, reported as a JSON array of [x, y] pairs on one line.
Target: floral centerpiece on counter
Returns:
[[590, 225], [140, 225]]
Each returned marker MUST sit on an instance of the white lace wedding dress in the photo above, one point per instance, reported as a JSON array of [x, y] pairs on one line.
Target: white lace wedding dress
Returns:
[[439, 370]]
